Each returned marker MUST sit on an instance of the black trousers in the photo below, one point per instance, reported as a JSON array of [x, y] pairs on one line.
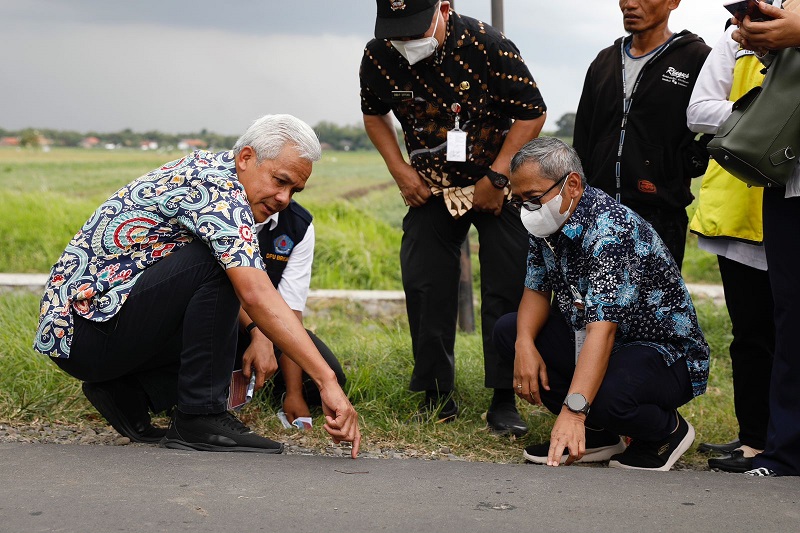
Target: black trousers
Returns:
[[639, 393], [175, 336], [310, 389], [749, 301], [782, 244], [430, 260], [671, 226]]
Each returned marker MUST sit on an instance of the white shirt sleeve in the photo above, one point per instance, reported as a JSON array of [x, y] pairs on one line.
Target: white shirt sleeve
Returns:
[[296, 278], [709, 105]]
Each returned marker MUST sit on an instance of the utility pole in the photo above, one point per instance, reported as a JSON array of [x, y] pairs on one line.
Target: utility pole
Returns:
[[466, 308]]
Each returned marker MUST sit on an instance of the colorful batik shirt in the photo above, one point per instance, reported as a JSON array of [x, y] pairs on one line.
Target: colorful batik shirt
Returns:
[[197, 197], [610, 258], [477, 75]]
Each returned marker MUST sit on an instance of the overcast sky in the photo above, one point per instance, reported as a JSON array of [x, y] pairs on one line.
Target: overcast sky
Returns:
[[180, 66]]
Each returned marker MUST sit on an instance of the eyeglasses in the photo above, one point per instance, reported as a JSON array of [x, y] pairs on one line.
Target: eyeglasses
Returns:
[[535, 203]]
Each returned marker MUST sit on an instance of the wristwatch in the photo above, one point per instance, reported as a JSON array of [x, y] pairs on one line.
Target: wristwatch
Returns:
[[499, 181], [576, 402]]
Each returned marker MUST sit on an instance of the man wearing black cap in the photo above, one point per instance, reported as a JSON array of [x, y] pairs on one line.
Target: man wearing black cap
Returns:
[[466, 103]]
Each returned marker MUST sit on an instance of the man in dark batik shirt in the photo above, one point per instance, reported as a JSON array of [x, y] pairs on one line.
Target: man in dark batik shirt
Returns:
[[466, 103], [606, 335]]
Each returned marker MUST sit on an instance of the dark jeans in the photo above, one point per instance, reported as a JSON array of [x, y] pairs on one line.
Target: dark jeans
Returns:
[[749, 301], [310, 390], [639, 393], [175, 335], [782, 244], [671, 226], [430, 260]]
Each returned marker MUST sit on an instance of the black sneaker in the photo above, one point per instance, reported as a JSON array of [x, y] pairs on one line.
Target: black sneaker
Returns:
[[600, 446], [221, 432], [125, 408], [658, 456]]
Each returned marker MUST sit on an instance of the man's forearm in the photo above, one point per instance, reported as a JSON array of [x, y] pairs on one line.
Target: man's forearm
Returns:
[[534, 310], [381, 132], [593, 359], [521, 132], [278, 322]]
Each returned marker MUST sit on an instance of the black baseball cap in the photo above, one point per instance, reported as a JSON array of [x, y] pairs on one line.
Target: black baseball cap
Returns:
[[403, 18]]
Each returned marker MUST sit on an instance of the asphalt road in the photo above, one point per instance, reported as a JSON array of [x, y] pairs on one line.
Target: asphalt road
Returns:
[[50, 487]]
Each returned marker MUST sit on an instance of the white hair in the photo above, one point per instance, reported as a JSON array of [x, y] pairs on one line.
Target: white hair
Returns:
[[268, 135], [554, 157]]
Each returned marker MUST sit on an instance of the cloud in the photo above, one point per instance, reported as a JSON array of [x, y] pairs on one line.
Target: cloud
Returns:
[[183, 66]]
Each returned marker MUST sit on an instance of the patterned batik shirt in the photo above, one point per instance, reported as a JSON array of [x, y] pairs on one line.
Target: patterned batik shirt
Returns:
[[609, 257], [197, 197], [478, 69]]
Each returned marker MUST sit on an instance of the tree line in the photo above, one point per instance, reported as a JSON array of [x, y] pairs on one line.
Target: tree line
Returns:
[[332, 136]]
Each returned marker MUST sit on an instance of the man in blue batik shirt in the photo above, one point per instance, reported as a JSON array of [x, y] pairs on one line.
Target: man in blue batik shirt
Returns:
[[619, 348]]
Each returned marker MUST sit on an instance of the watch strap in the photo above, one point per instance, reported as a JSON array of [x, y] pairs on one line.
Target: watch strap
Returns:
[[499, 181]]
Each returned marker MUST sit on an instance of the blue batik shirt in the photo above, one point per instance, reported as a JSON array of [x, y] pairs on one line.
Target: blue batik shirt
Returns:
[[197, 197], [614, 261]]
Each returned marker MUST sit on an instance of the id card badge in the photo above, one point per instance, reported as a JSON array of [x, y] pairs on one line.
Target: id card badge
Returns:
[[580, 339], [456, 138], [457, 145]]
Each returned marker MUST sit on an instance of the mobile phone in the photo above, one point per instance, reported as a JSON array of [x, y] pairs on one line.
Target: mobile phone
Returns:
[[741, 8]]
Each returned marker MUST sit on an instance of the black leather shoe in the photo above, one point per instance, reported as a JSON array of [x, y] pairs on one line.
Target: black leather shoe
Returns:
[[734, 462], [441, 411], [706, 447], [504, 419], [125, 408], [221, 432]]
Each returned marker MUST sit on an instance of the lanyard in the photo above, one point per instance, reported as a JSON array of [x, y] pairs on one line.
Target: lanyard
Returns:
[[577, 298], [627, 103]]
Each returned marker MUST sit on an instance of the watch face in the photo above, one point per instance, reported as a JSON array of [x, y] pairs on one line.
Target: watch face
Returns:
[[576, 402], [498, 180]]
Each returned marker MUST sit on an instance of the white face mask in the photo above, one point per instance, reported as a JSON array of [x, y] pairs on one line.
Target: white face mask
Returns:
[[547, 219], [418, 49]]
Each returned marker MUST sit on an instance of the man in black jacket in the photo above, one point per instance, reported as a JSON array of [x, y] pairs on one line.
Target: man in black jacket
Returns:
[[286, 241], [630, 128]]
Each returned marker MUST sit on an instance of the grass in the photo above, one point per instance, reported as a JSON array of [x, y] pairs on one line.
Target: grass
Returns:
[[376, 356], [358, 212]]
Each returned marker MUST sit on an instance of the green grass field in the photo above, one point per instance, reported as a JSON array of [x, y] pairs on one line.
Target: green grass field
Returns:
[[45, 198]]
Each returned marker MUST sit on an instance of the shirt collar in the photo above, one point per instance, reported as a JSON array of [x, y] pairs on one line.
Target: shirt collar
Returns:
[[270, 223], [581, 218]]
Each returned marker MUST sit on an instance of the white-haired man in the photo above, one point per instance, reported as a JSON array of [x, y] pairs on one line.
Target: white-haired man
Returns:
[[143, 304]]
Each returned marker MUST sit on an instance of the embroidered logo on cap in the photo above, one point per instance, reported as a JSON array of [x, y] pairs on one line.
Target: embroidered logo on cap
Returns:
[[283, 245], [398, 4]]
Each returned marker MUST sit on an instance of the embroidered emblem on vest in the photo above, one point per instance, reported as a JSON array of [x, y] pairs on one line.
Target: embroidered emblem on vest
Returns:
[[647, 187], [675, 76], [398, 4], [283, 245]]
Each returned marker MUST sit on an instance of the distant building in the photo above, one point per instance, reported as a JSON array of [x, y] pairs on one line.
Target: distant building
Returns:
[[148, 145], [192, 144], [9, 141], [90, 142]]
